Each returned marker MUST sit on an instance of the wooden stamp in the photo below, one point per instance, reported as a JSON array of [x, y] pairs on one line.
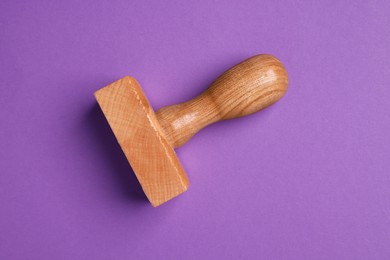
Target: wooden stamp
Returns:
[[148, 139]]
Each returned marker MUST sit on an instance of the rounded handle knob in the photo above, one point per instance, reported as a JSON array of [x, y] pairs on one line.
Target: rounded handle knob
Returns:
[[244, 89]]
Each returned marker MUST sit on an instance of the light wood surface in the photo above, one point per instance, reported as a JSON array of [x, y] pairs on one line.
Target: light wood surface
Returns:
[[134, 124], [148, 139]]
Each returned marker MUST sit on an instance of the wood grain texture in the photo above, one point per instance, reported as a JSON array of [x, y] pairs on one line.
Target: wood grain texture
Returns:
[[148, 139], [135, 126], [244, 89]]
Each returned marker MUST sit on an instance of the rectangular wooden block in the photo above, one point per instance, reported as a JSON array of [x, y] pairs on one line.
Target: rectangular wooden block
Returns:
[[140, 136]]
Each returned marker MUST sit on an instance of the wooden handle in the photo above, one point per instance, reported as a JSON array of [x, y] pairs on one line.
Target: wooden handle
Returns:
[[242, 90]]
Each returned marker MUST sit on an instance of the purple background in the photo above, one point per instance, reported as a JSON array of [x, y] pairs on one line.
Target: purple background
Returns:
[[308, 178]]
